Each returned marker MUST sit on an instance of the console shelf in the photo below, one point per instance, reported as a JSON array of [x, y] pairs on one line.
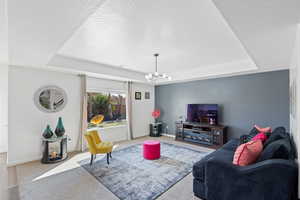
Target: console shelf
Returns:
[[212, 136]]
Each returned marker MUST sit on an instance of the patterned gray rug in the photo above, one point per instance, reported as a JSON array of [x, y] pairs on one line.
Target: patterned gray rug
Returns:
[[131, 177]]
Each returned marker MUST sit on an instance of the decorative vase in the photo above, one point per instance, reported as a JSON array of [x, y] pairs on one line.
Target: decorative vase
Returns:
[[60, 130], [47, 132]]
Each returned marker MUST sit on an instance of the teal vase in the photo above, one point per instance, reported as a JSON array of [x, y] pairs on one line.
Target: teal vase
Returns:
[[47, 132], [60, 130]]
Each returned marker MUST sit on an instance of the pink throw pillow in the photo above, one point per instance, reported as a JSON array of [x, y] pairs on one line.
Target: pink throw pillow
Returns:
[[264, 130], [247, 153], [261, 136]]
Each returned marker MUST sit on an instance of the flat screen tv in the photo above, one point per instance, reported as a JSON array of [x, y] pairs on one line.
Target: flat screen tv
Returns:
[[203, 113]]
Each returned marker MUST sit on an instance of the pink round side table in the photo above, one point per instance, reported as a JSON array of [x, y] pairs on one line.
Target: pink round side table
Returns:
[[151, 149]]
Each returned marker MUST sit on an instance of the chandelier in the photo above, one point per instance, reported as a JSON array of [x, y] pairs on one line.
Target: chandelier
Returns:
[[156, 76]]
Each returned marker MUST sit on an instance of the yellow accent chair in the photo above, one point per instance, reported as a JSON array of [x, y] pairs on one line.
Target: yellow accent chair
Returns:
[[96, 146]]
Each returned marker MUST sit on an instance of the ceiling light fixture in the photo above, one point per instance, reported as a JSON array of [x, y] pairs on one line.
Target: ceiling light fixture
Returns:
[[156, 76]]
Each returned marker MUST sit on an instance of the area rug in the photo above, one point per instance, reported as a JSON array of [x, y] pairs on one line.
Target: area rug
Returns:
[[131, 177]]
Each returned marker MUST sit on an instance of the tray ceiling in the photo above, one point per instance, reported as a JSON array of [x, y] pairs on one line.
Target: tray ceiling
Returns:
[[195, 39], [189, 36]]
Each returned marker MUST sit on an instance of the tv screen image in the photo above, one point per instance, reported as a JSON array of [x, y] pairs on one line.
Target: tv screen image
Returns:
[[203, 113]]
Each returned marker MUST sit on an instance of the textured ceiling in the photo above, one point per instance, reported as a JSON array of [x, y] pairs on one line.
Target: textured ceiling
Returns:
[[266, 28], [37, 29], [188, 36], [196, 39]]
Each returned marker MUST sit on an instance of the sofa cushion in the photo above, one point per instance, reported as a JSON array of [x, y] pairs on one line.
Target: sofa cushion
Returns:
[[247, 138], [261, 136], [220, 154], [277, 134], [279, 149], [247, 153], [263, 130], [252, 133]]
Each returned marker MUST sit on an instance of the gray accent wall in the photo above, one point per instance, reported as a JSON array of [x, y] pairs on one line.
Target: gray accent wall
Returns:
[[244, 100]]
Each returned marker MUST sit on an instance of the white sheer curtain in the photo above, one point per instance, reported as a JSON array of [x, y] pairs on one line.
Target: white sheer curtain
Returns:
[[81, 145], [129, 109]]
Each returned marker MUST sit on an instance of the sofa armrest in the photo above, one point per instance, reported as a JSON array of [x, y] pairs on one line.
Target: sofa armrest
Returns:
[[270, 179], [266, 165]]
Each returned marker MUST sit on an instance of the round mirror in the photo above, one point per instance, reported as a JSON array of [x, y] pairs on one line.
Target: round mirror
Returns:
[[50, 99]]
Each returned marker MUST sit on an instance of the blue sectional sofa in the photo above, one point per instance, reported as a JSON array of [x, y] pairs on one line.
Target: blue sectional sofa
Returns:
[[275, 178]]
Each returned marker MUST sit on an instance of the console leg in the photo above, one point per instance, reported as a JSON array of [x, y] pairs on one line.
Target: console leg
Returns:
[[92, 158], [107, 158]]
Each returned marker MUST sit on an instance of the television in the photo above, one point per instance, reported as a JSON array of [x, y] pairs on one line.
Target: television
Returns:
[[203, 113]]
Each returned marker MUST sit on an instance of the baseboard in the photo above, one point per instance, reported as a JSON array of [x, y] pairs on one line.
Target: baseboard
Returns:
[[23, 161], [32, 159], [168, 135]]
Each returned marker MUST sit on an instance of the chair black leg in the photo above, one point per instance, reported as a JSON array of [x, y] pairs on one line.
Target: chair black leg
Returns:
[[95, 156], [110, 155], [92, 158], [107, 158]]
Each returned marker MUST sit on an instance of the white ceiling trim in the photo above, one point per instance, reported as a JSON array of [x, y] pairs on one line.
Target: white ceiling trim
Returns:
[[95, 69], [223, 75], [213, 71]]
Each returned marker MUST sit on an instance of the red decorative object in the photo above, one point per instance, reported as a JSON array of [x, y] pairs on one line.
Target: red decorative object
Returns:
[[264, 130], [247, 153], [156, 113], [261, 136], [151, 149]]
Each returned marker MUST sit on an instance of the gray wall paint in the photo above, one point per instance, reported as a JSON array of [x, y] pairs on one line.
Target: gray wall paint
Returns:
[[245, 100]]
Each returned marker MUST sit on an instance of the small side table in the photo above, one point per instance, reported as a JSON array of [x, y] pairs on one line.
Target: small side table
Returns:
[[155, 129], [62, 155]]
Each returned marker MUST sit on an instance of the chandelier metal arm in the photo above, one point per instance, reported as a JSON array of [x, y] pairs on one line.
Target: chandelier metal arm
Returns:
[[156, 55], [155, 76]]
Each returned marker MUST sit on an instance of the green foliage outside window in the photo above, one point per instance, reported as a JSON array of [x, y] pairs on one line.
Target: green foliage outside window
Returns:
[[112, 106]]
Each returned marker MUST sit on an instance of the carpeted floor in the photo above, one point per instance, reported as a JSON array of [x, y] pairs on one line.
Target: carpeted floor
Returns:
[[131, 177], [69, 181]]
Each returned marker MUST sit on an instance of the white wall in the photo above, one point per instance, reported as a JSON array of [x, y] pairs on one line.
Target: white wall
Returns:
[[142, 109], [3, 76], [295, 94], [27, 122], [294, 77], [3, 106]]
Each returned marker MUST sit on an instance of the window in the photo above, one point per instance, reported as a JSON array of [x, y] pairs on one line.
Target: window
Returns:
[[111, 105]]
